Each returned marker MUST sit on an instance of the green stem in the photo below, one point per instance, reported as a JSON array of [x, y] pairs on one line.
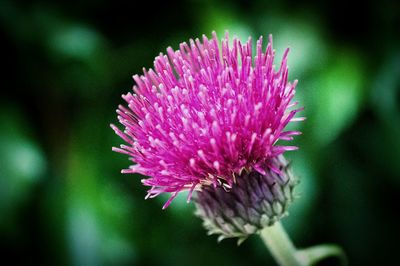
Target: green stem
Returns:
[[285, 253], [280, 245], [315, 254]]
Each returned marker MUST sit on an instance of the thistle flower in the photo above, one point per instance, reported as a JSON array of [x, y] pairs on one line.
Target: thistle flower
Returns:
[[206, 113], [208, 118]]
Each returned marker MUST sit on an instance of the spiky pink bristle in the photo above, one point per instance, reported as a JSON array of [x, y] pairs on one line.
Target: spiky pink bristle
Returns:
[[206, 112]]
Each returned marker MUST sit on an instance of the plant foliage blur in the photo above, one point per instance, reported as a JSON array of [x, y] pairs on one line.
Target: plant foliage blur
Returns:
[[63, 200]]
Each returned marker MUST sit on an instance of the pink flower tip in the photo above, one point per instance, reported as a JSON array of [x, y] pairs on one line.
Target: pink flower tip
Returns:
[[206, 112]]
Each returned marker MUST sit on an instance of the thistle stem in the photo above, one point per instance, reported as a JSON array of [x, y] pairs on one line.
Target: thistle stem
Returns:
[[280, 245], [315, 254], [285, 253]]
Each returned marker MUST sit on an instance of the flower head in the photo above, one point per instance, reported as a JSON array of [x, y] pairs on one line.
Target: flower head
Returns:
[[205, 113]]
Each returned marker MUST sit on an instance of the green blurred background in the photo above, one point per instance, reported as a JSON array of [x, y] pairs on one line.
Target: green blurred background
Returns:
[[65, 64]]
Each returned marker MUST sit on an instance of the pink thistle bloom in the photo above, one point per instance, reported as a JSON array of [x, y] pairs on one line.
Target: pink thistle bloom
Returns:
[[206, 113]]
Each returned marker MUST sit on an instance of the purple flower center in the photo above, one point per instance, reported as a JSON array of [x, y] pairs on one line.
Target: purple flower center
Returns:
[[206, 112]]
